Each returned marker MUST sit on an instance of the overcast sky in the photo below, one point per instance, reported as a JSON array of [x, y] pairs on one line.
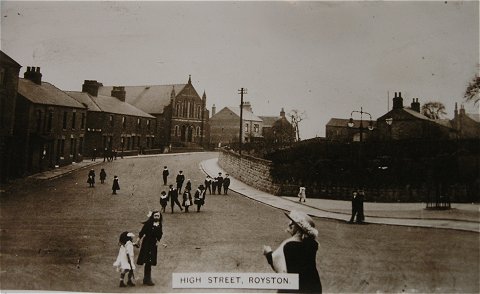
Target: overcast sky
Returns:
[[324, 58]]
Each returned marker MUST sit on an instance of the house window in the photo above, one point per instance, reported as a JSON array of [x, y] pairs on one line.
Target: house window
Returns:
[[3, 80], [111, 120], [256, 128], [124, 122], [139, 121], [80, 145], [148, 124], [65, 118], [178, 109], [39, 120], [246, 127], [176, 131], [62, 148], [50, 122], [83, 121], [74, 118], [72, 144]]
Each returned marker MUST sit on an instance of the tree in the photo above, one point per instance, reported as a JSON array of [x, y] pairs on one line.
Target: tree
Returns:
[[296, 117], [472, 93], [434, 110]]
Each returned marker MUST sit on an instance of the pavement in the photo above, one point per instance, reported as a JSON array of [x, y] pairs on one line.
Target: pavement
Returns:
[[461, 216]]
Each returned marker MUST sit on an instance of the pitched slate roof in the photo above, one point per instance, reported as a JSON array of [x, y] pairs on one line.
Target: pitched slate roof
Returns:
[[268, 121], [109, 104], [246, 115], [150, 99], [474, 116], [46, 93]]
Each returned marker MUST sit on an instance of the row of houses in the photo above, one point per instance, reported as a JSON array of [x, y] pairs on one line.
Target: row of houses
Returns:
[[405, 123], [43, 127]]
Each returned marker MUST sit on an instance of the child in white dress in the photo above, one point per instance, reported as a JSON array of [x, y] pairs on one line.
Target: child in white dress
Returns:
[[125, 259]]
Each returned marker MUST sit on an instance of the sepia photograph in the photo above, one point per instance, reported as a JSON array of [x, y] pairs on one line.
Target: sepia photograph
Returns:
[[240, 146]]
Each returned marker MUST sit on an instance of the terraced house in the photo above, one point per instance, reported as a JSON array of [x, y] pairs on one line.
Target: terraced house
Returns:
[[113, 124], [181, 114], [49, 126]]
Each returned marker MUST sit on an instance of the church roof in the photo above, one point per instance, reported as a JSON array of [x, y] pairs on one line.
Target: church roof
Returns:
[[46, 93], [150, 99], [109, 104]]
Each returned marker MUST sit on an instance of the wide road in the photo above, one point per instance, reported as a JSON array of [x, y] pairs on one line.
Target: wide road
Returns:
[[62, 235]]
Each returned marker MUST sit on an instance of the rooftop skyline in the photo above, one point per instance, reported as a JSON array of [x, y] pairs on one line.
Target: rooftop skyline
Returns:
[[324, 58]]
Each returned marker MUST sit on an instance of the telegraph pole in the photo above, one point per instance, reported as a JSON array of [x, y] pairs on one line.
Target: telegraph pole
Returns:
[[241, 92]]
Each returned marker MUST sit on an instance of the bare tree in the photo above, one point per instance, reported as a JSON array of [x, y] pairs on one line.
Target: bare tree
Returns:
[[296, 117], [472, 93], [434, 110]]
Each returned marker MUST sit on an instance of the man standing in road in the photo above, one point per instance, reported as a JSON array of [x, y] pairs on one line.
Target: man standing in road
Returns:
[[150, 235], [180, 179], [219, 183], [173, 195], [226, 184], [165, 175]]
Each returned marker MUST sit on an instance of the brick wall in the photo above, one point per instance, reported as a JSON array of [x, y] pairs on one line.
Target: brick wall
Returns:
[[252, 171]]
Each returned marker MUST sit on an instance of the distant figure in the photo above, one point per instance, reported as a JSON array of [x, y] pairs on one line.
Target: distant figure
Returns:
[[208, 185], [188, 185], [199, 197], [173, 196], [103, 176], [361, 199], [163, 200], [94, 154], [165, 175], [356, 203], [301, 194], [219, 183], [214, 185], [187, 199], [226, 184], [91, 178], [115, 186], [179, 180]]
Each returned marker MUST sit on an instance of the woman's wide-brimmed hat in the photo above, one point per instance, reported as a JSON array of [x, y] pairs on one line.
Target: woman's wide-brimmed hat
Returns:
[[303, 221]]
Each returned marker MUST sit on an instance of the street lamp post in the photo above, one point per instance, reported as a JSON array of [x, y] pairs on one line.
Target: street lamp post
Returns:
[[351, 123]]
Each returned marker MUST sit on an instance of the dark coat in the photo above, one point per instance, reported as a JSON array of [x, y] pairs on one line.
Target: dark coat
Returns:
[[180, 179], [226, 182], [115, 185], [148, 251], [188, 186], [103, 175], [91, 177]]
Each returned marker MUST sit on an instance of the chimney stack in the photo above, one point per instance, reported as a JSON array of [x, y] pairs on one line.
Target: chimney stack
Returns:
[[247, 106], [91, 87], [214, 110], [415, 105], [398, 101], [282, 113], [33, 74], [119, 93]]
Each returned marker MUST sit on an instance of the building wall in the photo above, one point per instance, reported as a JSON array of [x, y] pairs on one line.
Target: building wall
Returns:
[[118, 132], [46, 136], [9, 71], [224, 128]]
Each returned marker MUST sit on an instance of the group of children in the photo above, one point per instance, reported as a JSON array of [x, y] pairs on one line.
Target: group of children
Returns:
[[103, 176], [187, 200], [214, 184]]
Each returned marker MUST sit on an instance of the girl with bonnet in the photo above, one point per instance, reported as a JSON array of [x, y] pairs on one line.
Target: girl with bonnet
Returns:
[[297, 254], [124, 262]]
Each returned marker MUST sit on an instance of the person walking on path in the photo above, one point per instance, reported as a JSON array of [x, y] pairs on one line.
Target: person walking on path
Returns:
[[361, 199], [301, 194], [125, 259], [200, 197], [173, 196], [165, 175], [103, 176], [150, 235], [208, 184], [91, 178], [115, 186], [179, 180], [297, 254], [187, 199], [355, 207], [188, 186], [163, 200], [226, 184]]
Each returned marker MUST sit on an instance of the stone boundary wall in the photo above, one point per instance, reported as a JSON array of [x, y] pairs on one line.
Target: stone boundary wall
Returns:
[[252, 171]]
